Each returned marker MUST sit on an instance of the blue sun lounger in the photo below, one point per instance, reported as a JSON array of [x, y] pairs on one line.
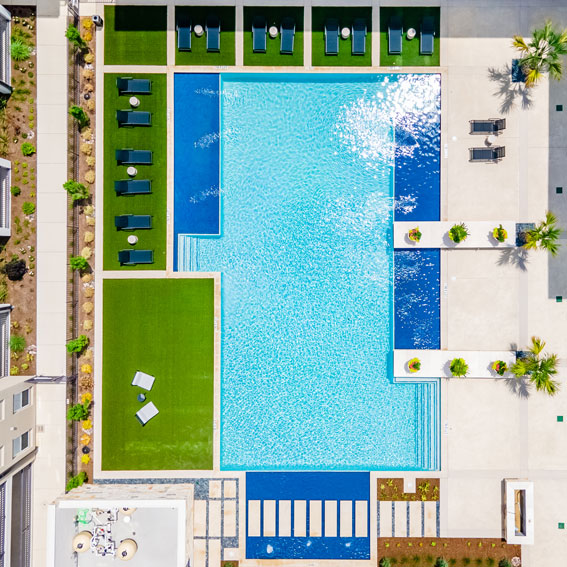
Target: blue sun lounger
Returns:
[[212, 28], [132, 257], [133, 222], [259, 34], [426, 34], [359, 31], [395, 32], [130, 118], [134, 157], [332, 36], [287, 35], [130, 86], [184, 35], [133, 186]]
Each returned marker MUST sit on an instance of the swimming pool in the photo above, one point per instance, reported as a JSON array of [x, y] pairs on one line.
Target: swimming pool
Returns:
[[305, 251]]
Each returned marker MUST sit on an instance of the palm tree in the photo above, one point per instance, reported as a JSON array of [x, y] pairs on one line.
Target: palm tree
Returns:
[[539, 368], [542, 53], [544, 235]]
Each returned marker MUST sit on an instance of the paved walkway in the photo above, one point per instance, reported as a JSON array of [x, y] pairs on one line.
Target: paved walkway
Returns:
[[408, 519]]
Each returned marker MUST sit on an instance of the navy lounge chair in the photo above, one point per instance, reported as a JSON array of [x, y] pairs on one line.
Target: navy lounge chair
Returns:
[[130, 86], [132, 222], [359, 31], [487, 127], [332, 37], [496, 153], [259, 34], [184, 35], [133, 186], [287, 36], [133, 118], [132, 257], [212, 28], [134, 157], [426, 34], [395, 32]]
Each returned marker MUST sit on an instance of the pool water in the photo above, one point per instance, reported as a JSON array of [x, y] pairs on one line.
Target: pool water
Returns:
[[305, 251]]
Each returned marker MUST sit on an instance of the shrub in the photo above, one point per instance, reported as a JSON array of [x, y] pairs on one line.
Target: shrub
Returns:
[[15, 269], [500, 233], [85, 459], [86, 397], [87, 149], [74, 37], [87, 24], [87, 278], [28, 208], [79, 115], [76, 190], [91, 161], [414, 234], [88, 292], [28, 149], [499, 367], [15, 190], [86, 368], [14, 371], [91, 221], [86, 253], [88, 36], [459, 367], [90, 176], [76, 481], [17, 343], [88, 58], [87, 424], [458, 232], [88, 307], [385, 562], [19, 51], [504, 563], [78, 263], [414, 365], [90, 104], [440, 562], [3, 291], [88, 74], [87, 134], [89, 237], [79, 412], [78, 345], [87, 325]]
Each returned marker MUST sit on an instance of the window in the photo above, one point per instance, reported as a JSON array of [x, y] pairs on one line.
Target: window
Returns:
[[20, 443], [21, 400]]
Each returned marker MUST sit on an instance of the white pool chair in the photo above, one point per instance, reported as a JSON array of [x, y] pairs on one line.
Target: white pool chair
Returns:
[[146, 413], [143, 380]]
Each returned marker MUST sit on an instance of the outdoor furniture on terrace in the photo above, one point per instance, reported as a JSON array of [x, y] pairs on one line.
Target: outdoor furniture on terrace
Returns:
[[287, 36], [359, 31], [133, 186], [259, 33], [332, 36], [132, 222], [130, 86], [213, 29], [395, 33], [134, 157], [495, 153], [129, 118], [148, 412], [487, 127], [184, 35], [143, 380], [426, 35], [133, 257]]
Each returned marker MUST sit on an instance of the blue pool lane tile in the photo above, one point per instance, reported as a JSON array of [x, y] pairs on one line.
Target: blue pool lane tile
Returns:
[[196, 154], [327, 488]]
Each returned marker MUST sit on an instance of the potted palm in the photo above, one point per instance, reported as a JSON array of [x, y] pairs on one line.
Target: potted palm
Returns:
[[414, 365], [414, 234], [500, 234], [458, 367], [500, 367], [539, 368], [544, 236], [458, 232]]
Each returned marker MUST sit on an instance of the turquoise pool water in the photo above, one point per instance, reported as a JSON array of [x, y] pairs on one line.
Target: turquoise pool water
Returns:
[[307, 173]]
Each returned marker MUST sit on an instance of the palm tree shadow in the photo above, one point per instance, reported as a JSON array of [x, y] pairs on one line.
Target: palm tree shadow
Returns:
[[509, 91], [518, 386], [514, 257]]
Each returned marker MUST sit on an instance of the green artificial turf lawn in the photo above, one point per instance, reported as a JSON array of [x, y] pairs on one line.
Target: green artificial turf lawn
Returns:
[[163, 327], [273, 57], [198, 54], [410, 57], [345, 57], [139, 138], [135, 35]]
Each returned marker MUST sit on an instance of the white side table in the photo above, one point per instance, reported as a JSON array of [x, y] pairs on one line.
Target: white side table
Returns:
[[132, 239], [411, 33], [134, 102], [198, 29], [131, 171], [273, 31], [491, 139], [345, 33]]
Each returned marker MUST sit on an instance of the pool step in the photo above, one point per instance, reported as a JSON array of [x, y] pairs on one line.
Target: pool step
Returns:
[[408, 519], [187, 254]]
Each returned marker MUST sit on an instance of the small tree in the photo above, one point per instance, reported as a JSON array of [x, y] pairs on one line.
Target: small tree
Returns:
[[17, 343], [545, 235], [19, 51], [76, 190], [28, 149], [79, 115], [79, 412], [78, 263], [15, 269], [458, 232], [74, 36], [78, 345], [459, 367], [539, 368], [76, 481]]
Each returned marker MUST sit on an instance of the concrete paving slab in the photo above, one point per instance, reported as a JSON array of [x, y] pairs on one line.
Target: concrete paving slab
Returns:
[[284, 518], [345, 529], [386, 519], [300, 518], [315, 518], [229, 518], [269, 518], [254, 528], [330, 518]]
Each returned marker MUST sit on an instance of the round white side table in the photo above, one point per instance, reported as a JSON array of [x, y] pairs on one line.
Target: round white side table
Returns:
[[273, 31], [345, 33], [198, 30], [131, 171], [411, 33], [134, 102], [132, 239], [491, 139]]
